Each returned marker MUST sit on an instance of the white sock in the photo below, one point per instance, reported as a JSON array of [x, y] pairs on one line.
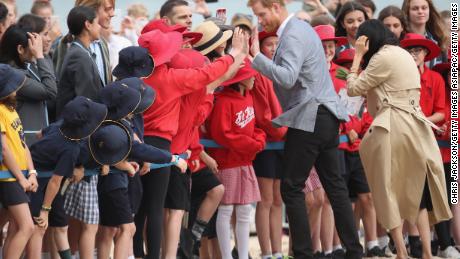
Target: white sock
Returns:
[[243, 214], [268, 256], [337, 247], [224, 216], [328, 252], [372, 244], [131, 257], [278, 255], [383, 241]]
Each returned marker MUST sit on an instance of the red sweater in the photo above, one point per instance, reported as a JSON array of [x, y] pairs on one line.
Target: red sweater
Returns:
[[162, 118], [445, 152], [432, 92], [232, 125], [267, 107], [360, 126], [188, 108], [338, 83]]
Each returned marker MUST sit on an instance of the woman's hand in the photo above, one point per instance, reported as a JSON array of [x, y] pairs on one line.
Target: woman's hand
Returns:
[[240, 43], [33, 183], [35, 45], [361, 45]]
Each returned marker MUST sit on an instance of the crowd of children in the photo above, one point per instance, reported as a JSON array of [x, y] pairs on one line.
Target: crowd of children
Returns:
[[163, 153]]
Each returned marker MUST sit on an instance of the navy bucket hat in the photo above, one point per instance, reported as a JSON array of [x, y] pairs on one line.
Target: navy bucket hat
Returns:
[[134, 62], [147, 93], [110, 144], [11, 80], [121, 100], [81, 117]]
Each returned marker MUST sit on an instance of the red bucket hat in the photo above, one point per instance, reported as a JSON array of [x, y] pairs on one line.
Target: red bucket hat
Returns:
[[162, 25], [345, 56], [244, 73], [327, 32], [414, 40], [187, 58], [162, 46], [441, 67], [192, 37], [263, 35]]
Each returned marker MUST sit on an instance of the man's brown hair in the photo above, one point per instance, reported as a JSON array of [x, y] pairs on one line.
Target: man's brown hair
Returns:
[[93, 3], [266, 3], [38, 5]]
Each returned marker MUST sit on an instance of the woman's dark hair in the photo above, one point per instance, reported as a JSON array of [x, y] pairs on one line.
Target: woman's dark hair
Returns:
[[378, 35], [32, 21], [76, 20], [348, 7], [13, 36], [396, 12], [213, 55], [3, 12]]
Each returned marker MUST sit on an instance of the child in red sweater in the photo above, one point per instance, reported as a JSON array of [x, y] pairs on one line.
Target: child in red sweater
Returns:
[[232, 125]]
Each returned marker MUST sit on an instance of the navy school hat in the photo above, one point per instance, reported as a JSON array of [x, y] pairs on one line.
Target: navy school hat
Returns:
[[134, 62], [147, 93], [10, 80], [81, 117], [120, 100], [110, 144]]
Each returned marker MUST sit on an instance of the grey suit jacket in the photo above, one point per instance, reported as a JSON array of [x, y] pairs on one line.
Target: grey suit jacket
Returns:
[[300, 77], [79, 77]]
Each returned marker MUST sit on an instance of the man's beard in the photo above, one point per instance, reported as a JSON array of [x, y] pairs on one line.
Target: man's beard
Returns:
[[10, 102]]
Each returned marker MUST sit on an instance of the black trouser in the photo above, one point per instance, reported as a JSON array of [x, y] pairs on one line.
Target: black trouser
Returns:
[[155, 185], [443, 228], [319, 148]]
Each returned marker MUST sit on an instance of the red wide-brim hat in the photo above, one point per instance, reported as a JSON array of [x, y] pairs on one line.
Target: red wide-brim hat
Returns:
[[187, 58], [162, 25], [327, 33], [162, 46], [345, 56], [415, 40], [244, 73], [263, 35], [192, 37]]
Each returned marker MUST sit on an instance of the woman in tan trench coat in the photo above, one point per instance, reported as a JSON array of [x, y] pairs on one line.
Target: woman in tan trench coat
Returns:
[[399, 152]]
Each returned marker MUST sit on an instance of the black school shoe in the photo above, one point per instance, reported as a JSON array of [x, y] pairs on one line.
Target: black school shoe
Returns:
[[235, 254], [376, 252], [338, 254]]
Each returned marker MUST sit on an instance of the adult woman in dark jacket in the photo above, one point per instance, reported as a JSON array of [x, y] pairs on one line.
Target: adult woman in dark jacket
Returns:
[[22, 48]]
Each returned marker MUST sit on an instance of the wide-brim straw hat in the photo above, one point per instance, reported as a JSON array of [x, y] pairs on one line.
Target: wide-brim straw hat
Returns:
[[212, 38]]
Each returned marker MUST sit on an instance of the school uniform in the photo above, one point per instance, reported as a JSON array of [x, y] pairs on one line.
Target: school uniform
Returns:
[[268, 163], [432, 92], [11, 192], [232, 125], [79, 75], [53, 152], [39, 88]]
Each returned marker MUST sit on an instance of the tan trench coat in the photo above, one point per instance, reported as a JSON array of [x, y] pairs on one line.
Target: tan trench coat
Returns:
[[399, 151]]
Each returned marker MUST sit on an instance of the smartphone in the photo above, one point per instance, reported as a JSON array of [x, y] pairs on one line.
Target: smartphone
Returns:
[[221, 13]]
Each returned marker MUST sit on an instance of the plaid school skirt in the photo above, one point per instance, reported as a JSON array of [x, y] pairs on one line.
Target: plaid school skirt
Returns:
[[313, 183], [81, 201], [240, 184]]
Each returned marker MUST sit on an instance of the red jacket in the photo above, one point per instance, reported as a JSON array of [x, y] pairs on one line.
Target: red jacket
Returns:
[[445, 152], [267, 107], [338, 83], [432, 92], [162, 118], [360, 126], [232, 125]]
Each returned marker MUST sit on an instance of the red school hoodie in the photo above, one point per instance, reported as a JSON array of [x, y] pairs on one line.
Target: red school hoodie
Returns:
[[232, 125], [267, 108], [432, 92], [162, 118]]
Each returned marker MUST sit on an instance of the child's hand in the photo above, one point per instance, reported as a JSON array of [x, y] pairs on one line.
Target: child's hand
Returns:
[[25, 184], [33, 182], [105, 169], [78, 174], [352, 136], [42, 220], [144, 169], [182, 165]]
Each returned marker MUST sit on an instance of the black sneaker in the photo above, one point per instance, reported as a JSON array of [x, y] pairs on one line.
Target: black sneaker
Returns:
[[338, 254], [318, 255]]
